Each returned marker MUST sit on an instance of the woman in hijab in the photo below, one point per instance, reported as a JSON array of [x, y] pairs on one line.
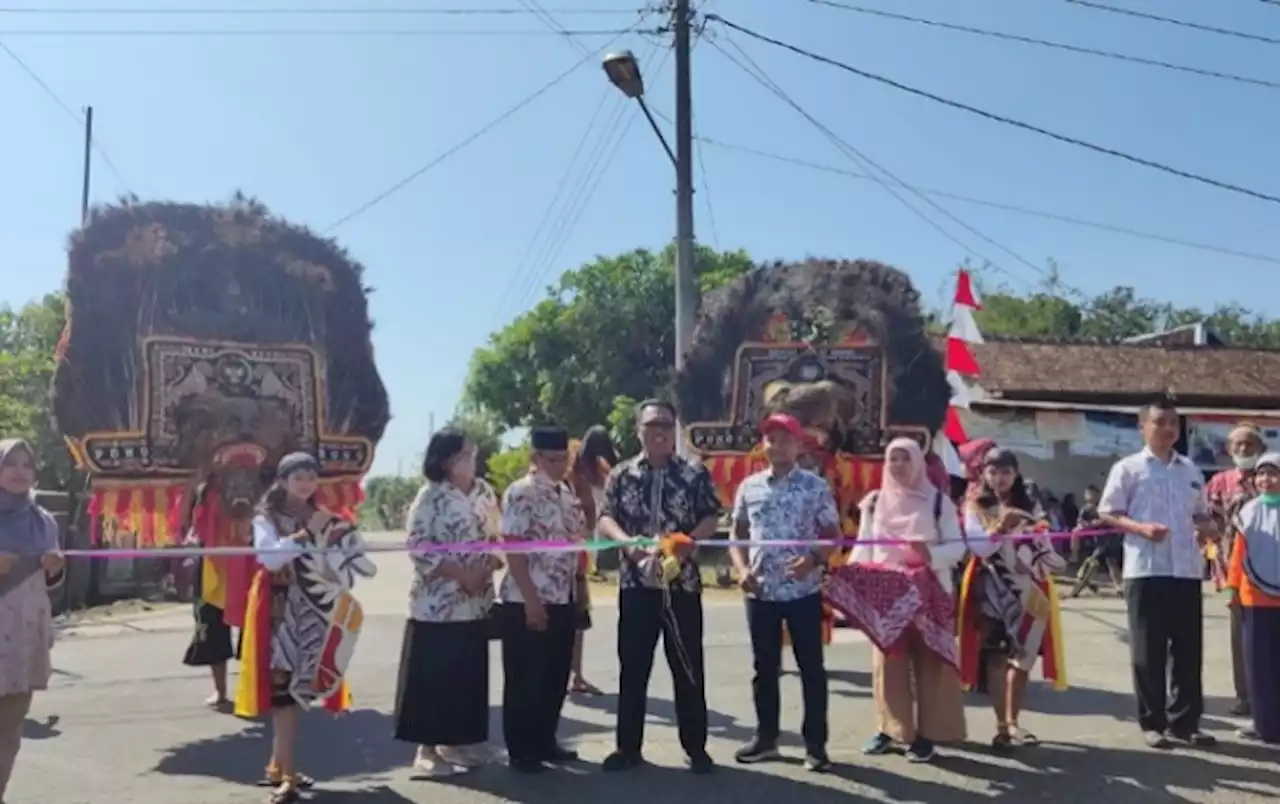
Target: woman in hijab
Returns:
[[1253, 578], [910, 508], [1008, 604], [29, 558]]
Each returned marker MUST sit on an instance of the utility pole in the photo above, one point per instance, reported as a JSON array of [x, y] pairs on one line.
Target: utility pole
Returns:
[[686, 283], [88, 164]]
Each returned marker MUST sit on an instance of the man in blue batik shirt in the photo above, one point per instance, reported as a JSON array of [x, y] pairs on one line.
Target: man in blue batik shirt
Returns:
[[783, 584]]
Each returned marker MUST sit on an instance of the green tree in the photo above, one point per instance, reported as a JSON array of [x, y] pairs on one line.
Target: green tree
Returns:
[[604, 331], [622, 425], [28, 340], [508, 466], [387, 501]]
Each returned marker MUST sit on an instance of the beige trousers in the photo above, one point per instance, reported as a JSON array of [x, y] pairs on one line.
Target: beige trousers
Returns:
[[13, 711], [917, 695], [1238, 673]]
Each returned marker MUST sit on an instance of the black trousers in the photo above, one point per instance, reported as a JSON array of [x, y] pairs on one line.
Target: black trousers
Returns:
[[642, 615], [535, 669], [1166, 641], [803, 619]]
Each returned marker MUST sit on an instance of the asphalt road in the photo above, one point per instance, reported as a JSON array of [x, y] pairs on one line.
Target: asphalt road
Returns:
[[123, 722]]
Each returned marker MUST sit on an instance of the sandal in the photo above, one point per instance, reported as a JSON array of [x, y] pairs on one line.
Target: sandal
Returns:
[[1024, 737], [301, 781], [285, 794], [1002, 742], [583, 687]]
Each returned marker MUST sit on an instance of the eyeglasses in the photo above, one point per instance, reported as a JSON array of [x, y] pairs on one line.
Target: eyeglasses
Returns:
[[658, 424]]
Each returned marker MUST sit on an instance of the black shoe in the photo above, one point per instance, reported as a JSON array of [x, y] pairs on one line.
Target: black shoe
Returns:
[[559, 755], [817, 761], [921, 751], [621, 761], [1196, 739], [701, 764], [525, 765], [756, 751]]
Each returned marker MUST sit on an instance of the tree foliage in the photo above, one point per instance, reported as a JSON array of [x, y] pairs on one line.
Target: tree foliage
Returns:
[[508, 466], [387, 500], [28, 339], [605, 331], [485, 432], [1054, 311]]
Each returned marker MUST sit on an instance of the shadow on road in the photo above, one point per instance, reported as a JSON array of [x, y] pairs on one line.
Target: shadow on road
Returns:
[[718, 723], [356, 745], [37, 730]]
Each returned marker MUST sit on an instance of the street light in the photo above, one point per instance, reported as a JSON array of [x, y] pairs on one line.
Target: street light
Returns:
[[624, 73]]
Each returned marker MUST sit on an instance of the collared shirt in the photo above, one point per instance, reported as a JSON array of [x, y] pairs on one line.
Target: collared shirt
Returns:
[[794, 507], [1146, 489], [652, 502], [443, 514], [536, 508]]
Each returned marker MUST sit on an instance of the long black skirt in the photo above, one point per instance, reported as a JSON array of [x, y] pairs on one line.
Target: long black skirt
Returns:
[[442, 696], [1260, 629]]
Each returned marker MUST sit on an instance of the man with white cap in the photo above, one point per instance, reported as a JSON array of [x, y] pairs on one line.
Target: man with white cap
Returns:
[[1228, 491]]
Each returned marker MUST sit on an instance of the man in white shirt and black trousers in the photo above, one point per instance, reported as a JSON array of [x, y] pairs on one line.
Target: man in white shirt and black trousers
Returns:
[[1157, 498]]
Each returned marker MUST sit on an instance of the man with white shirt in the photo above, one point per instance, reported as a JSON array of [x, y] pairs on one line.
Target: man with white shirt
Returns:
[[1157, 498]]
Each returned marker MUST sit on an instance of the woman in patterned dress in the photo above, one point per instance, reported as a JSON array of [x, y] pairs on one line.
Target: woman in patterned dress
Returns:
[[592, 460], [442, 697], [28, 560], [1008, 616], [299, 603]]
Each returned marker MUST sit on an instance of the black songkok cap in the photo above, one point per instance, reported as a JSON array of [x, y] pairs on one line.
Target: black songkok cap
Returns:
[[296, 462], [1001, 458], [550, 437]]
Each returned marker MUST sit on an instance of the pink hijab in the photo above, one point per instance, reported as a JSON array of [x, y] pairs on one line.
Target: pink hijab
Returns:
[[904, 509]]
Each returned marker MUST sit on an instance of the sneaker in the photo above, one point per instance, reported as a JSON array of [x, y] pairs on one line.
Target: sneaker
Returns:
[[921, 751], [701, 764], [756, 751], [817, 761], [877, 745], [1155, 739], [621, 761], [1196, 739], [463, 756]]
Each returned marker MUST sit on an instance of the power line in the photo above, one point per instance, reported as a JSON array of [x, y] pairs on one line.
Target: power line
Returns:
[[861, 159], [1106, 54], [381, 32], [1016, 208], [78, 117], [293, 11], [470, 138], [1174, 21], [1222, 185]]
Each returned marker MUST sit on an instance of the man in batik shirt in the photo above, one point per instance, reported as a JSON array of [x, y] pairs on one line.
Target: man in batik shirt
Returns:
[[783, 585], [653, 495], [537, 615], [1228, 491]]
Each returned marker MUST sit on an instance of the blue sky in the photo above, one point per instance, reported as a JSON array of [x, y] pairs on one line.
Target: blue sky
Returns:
[[316, 126]]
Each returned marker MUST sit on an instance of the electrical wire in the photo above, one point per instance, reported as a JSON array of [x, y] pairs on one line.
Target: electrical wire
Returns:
[[1106, 54], [158, 11], [470, 138], [861, 159], [378, 32], [1184, 174], [1015, 208], [611, 145], [545, 17], [1174, 21], [78, 117]]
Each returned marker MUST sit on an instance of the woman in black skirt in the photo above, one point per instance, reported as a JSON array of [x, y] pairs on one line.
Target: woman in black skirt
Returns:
[[442, 698], [211, 644]]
